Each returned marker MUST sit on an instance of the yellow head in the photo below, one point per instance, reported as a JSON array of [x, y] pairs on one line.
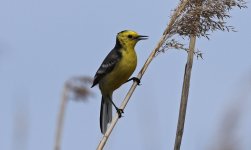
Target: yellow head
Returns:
[[128, 38]]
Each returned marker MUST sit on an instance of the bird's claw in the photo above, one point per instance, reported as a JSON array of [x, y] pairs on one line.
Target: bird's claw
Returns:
[[120, 112], [136, 80]]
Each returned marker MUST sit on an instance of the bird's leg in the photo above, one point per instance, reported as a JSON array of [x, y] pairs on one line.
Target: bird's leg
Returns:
[[134, 79], [119, 111]]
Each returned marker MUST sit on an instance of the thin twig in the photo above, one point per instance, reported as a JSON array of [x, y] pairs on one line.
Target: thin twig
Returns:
[[60, 121], [142, 71]]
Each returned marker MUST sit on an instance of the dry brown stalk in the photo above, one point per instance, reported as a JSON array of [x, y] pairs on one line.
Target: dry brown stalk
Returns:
[[187, 77], [184, 95], [60, 119], [199, 17]]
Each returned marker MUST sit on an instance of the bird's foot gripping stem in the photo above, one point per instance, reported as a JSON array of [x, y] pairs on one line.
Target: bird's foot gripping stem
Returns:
[[120, 112], [134, 79]]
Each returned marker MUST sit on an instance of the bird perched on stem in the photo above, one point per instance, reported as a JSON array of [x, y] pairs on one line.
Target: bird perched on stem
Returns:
[[114, 71]]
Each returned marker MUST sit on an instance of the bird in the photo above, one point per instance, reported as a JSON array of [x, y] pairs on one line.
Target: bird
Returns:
[[115, 70]]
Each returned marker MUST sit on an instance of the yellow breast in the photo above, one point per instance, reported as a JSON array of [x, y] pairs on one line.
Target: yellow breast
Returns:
[[122, 71]]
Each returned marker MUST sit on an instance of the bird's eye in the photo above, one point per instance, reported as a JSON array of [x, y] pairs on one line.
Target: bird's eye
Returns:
[[129, 36]]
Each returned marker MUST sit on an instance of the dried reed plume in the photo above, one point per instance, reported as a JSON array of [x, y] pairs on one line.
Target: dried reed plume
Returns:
[[75, 88], [196, 20]]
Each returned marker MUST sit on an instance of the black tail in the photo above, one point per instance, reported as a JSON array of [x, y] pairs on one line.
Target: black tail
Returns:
[[105, 113]]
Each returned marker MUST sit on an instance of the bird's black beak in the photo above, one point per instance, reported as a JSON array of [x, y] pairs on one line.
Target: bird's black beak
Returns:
[[142, 37]]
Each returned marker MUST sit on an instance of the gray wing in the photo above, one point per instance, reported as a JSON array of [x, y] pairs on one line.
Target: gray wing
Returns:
[[107, 65]]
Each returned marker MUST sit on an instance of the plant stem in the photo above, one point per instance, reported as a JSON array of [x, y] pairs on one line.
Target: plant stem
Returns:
[[186, 81], [185, 92], [60, 120]]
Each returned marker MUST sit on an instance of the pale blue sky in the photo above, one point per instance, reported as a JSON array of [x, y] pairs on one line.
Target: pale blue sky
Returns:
[[43, 43]]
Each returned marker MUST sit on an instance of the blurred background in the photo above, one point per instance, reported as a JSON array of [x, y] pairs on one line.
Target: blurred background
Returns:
[[44, 43]]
